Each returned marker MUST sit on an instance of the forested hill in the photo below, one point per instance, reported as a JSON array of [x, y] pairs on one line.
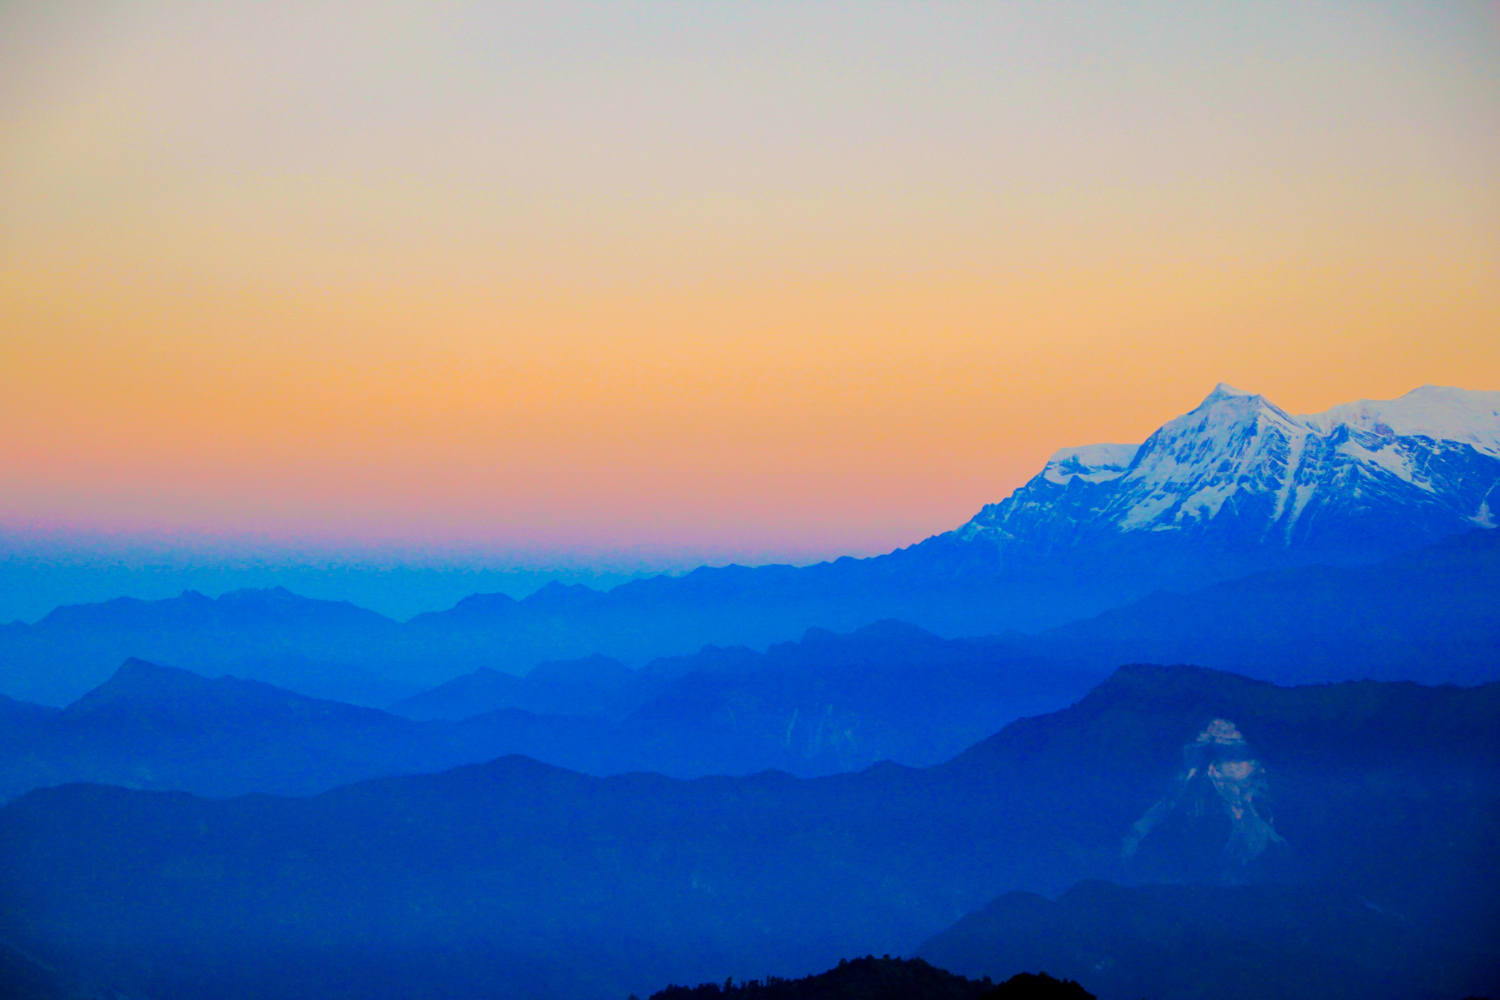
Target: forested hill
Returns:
[[887, 978]]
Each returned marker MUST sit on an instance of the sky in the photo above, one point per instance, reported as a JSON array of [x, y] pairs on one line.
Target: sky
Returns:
[[651, 284]]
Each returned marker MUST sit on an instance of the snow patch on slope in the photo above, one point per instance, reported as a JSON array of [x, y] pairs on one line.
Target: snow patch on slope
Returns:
[[1383, 455], [1093, 463]]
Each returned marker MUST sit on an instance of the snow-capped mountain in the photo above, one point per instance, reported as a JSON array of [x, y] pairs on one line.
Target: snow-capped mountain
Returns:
[[1244, 482]]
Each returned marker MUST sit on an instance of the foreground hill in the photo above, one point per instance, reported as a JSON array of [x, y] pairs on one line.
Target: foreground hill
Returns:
[[1233, 487], [826, 704], [872, 978], [513, 878]]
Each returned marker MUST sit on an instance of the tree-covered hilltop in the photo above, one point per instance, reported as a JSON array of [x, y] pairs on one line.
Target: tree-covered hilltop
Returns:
[[887, 978]]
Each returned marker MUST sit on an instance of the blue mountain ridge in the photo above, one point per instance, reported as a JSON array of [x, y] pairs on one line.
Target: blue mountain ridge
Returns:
[[825, 704], [828, 703], [513, 878], [1234, 487], [1428, 615]]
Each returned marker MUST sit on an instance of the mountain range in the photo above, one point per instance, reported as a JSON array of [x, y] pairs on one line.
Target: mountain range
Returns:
[[1428, 615], [513, 878], [559, 796], [1234, 487], [826, 704], [1239, 484]]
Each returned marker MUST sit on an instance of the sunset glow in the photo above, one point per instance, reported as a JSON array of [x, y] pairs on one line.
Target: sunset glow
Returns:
[[764, 282]]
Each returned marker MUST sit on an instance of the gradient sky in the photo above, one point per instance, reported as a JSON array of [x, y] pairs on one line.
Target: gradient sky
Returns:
[[705, 281]]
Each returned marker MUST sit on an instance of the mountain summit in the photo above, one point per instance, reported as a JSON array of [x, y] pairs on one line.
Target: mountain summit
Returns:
[[1244, 483]]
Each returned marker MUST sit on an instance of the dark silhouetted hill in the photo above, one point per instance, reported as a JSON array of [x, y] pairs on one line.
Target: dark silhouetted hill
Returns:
[[873, 978], [1038, 986], [867, 978]]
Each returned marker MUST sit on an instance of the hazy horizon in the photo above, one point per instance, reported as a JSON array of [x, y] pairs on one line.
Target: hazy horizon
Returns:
[[43, 570], [44, 567]]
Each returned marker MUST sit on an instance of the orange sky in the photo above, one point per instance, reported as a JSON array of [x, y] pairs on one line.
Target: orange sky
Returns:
[[731, 282]]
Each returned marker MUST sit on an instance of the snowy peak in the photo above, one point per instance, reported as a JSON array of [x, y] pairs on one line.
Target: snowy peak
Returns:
[[1092, 463], [1193, 465], [1227, 406], [1438, 412], [1224, 391], [1359, 482]]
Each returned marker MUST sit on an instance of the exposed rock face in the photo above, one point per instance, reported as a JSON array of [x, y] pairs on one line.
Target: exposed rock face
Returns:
[[1220, 779]]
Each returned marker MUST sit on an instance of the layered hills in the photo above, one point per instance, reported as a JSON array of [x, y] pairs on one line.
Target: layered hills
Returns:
[[826, 704], [1428, 615], [1236, 486], [152, 726], [514, 878]]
